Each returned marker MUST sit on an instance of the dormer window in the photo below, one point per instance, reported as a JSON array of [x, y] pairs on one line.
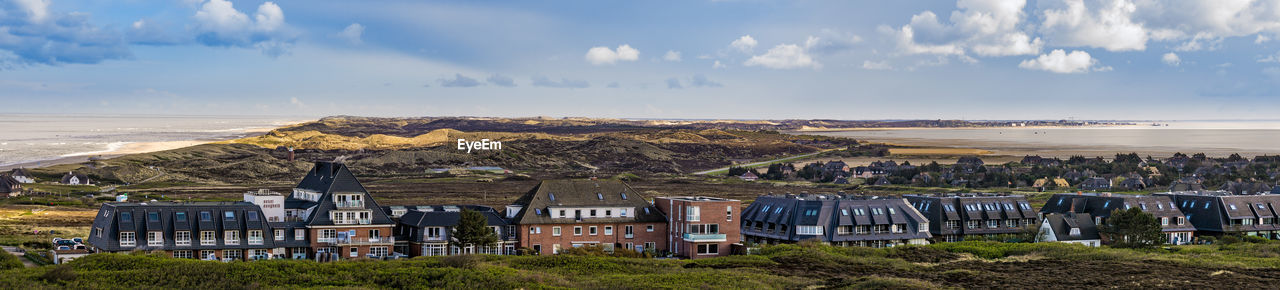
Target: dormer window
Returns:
[[180, 216], [552, 196], [252, 216], [205, 216], [229, 216], [126, 216], [1233, 206], [153, 217]]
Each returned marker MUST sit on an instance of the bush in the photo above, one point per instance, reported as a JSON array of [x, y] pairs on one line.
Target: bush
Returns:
[[1256, 240], [59, 274], [753, 261], [9, 261], [462, 261]]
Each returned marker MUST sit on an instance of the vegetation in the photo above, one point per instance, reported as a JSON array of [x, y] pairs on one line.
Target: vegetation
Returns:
[[9, 261], [1132, 228], [806, 265], [473, 230]]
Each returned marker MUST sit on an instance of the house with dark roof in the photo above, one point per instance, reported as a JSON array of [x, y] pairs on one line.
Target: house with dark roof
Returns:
[[957, 217], [201, 230], [559, 214], [1133, 184], [1096, 183], [701, 227], [1219, 212], [1069, 227], [840, 220], [338, 215], [22, 175], [835, 166], [749, 176], [428, 230], [1187, 183], [1175, 225], [9, 186], [75, 179], [1246, 187]]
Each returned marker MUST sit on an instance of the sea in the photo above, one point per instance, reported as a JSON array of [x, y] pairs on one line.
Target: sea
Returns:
[[33, 139], [1215, 138]]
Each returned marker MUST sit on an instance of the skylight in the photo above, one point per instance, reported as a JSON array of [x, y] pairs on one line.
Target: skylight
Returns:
[[153, 217], [624, 195], [126, 216], [181, 216], [552, 196], [599, 196]]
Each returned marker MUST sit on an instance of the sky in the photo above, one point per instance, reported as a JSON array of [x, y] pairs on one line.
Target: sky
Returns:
[[852, 60]]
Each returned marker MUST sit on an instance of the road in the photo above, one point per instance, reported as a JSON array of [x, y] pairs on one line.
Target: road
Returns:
[[19, 253], [761, 163]]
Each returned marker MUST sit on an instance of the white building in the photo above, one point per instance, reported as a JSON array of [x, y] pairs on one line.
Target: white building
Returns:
[[272, 203], [1078, 228]]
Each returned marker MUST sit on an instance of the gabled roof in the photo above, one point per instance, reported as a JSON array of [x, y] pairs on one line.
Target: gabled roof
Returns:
[[329, 178], [111, 220], [831, 212], [570, 193], [9, 185], [20, 172], [1061, 224]]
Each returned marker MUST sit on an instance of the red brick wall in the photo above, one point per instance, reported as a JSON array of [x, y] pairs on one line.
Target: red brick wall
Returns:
[[710, 212], [344, 250], [566, 238]]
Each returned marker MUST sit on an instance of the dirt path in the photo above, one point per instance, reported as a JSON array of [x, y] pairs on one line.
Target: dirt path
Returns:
[[19, 253]]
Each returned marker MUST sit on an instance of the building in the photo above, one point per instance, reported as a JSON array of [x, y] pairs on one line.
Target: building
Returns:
[[834, 219], [428, 230], [9, 186], [1096, 183], [22, 175], [205, 230], [749, 176], [559, 214], [63, 256], [957, 217], [1177, 229], [701, 227], [75, 179], [1069, 227], [337, 215], [1246, 187], [1216, 213]]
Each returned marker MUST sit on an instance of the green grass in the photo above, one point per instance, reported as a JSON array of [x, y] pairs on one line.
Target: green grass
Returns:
[[60, 188]]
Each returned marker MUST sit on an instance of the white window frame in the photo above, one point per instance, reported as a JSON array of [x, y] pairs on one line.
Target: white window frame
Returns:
[[208, 238], [128, 239], [231, 237]]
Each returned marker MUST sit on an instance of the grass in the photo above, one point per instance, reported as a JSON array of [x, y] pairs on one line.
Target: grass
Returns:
[[762, 164], [60, 188]]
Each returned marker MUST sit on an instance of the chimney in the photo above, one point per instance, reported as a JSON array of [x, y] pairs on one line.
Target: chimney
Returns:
[[290, 154]]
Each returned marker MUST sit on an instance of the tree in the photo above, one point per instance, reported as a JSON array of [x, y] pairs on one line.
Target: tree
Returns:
[[473, 230], [1132, 228]]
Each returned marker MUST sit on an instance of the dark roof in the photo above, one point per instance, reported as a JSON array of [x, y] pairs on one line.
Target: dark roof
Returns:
[[940, 209], [447, 217], [329, 178], [583, 193], [1213, 210], [9, 185], [66, 178], [111, 220], [1061, 224], [1103, 204], [831, 212], [20, 172]]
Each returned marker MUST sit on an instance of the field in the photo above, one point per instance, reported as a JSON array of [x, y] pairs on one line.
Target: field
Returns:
[[947, 265]]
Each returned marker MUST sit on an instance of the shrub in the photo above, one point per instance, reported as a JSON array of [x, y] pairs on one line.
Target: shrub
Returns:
[[462, 261], [1256, 240], [9, 261], [59, 274], [753, 261]]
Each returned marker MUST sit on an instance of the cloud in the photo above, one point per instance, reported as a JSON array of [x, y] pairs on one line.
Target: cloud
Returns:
[[744, 44], [601, 55], [831, 42], [146, 32], [985, 27], [672, 56], [297, 103], [501, 80], [1058, 61], [1270, 58], [459, 81], [32, 34], [784, 56], [1171, 59], [718, 65], [218, 23], [876, 65], [352, 33], [674, 83], [702, 81], [541, 81], [1108, 25]]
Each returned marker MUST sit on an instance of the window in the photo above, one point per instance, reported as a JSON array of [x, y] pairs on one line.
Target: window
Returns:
[[1012, 223], [577, 231], [971, 224], [711, 249], [155, 239], [629, 230], [153, 217], [648, 228], [623, 212], [279, 234], [693, 213], [355, 252], [180, 217], [608, 212], [608, 230], [624, 196], [728, 213], [591, 230], [898, 228], [436, 233], [255, 237], [207, 238], [205, 216], [128, 239], [252, 216], [953, 224], [229, 216], [555, 248], [126, 217], [182, 254], [378, 251], [299, 234], [650, 245], [208, 254], [993, 223], [599, 196], [232, 254], [231, 237], [182, 238], [378, 234], [844, 212], [809, 230], [1233, 206], [555, 231], [1164, 221], [593, 213]]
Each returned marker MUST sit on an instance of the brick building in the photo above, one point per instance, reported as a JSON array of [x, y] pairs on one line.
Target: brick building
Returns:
[[701, 227], [559, 214]]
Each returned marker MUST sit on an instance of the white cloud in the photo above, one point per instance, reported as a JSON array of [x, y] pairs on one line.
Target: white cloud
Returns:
[[672, 56], [876, 65], [297, 103], [37, 10], [784, 56], [1171, 59], [744, 43], [986, 27], [1270, 58], [30, 33], [542, 81], [459, 81], [501, 80], [353, 33], [1107, 25], [1058, 61], [601, 55], [830, 42], [717, 65], [218, 23]]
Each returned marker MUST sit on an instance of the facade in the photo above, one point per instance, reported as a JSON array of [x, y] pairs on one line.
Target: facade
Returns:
[[1219, 212], [1069, 227], [1177, 229], [427, 230], [337, 214], [559, 214], [75, 179], [63, 256], [22, 175], [701, 227], [957, 217], [834, 219], [205, 230]]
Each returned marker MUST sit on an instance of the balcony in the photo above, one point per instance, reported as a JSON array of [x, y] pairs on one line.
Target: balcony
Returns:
[[704, 237], [349, 204], [357, 241]]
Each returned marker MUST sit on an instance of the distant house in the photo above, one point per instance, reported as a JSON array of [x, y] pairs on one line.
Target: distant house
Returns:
[[835, 166], [1246, 187], [923, 178], [1188, 183], [76, 179], [1174, 223], [1075, 228], [9, 187], [1133, 184], [1096, 183], [749, 176], [834, 219], [957, 217], [22, 175], [1044, 182], [883, 181], [969, 161], [841, 180]]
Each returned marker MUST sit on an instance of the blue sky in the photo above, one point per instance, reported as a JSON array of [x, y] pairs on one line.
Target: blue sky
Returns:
[[971, 59]]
